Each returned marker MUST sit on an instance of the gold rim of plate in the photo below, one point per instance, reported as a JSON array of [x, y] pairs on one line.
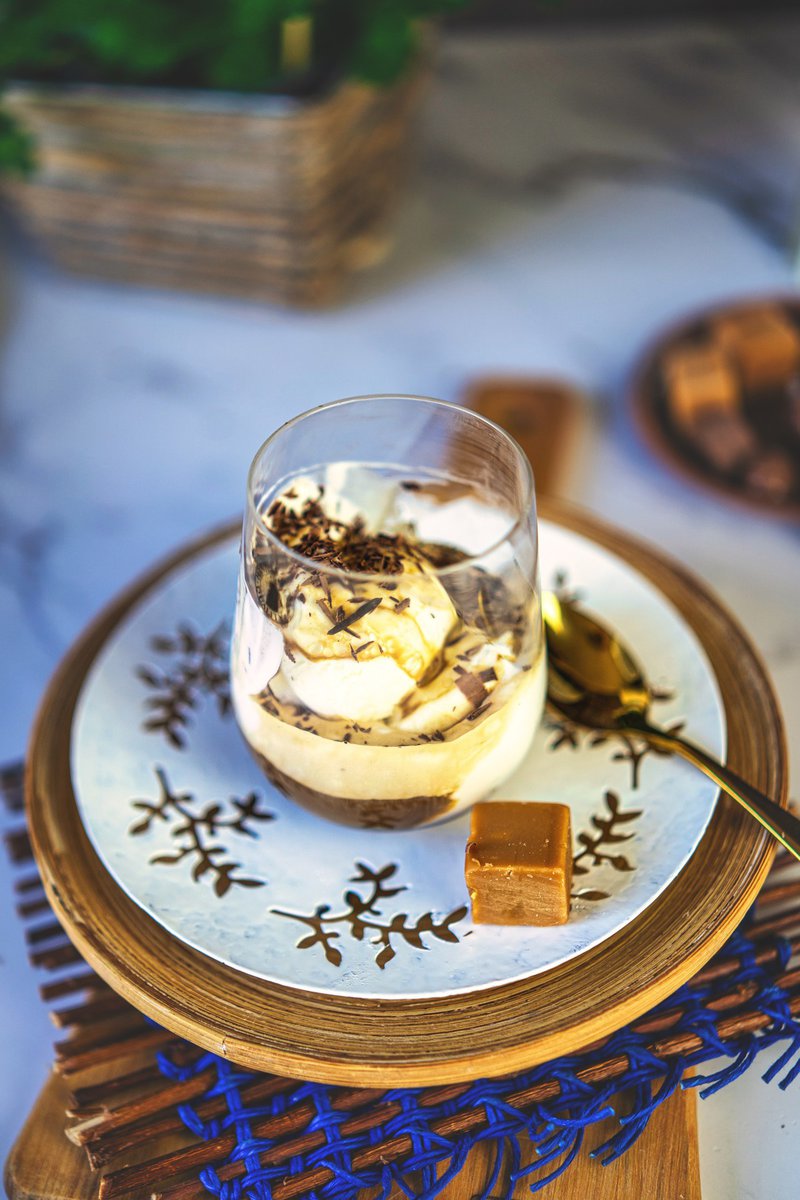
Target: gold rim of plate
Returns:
[[446, 1039]]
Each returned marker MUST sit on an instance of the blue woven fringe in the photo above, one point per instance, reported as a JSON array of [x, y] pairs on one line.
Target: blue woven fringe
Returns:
[[555, 1129]]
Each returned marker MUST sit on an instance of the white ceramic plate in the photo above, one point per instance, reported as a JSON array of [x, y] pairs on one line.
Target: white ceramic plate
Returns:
[[185, 822]]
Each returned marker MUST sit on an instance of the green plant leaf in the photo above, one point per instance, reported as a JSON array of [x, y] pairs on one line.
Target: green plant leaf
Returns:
[[385, 43], [17, 154], [230, 44]]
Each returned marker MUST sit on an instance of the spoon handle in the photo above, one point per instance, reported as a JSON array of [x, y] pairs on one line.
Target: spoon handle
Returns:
[[781, 823]]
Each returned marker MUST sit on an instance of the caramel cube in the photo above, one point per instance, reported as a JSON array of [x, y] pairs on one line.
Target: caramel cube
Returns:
[[763, 343], [699, 379], [519, 863], [772, 476], [725, 439]]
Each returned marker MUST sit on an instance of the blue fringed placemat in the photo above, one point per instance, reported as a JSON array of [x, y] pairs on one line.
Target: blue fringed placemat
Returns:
[[275, 1139], [744, 1003]]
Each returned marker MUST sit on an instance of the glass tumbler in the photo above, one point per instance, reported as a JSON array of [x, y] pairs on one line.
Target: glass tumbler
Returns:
[[388, 665]]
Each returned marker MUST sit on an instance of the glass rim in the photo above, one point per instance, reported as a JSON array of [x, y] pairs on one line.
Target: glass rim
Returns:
[[528, 503]]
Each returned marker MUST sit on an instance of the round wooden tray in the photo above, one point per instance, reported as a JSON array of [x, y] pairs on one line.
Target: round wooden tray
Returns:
[[357, 1041], [648, 405]]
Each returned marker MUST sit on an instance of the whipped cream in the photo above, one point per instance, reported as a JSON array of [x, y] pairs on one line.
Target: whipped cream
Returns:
[[369, 666]]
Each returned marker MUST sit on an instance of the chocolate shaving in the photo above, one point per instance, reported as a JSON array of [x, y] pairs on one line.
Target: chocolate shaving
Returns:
[[473, 716], [403, 605], [273, 597], [326, 609], [439, 554], [362, 611], [325, 539], [473, 689]]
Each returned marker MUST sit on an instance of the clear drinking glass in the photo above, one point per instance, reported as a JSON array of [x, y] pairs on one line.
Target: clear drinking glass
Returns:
[[388, 664]]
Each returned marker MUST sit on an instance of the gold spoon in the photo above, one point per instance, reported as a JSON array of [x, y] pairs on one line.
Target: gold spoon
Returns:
[[594, 681]]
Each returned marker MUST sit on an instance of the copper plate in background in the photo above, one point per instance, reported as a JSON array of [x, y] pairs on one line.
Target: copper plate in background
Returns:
[[647, 402]]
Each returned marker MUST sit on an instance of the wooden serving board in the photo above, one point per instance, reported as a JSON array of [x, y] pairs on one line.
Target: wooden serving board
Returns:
[[352, 1040]]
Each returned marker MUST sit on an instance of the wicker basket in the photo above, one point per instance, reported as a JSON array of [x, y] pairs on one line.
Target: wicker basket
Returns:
[[256, 196]]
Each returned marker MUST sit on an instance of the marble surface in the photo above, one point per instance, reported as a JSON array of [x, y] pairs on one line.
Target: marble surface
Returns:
[[576, 191]]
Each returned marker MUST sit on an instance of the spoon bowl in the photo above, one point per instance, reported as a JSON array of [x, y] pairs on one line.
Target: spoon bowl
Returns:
[[594, 680], [593, 677]]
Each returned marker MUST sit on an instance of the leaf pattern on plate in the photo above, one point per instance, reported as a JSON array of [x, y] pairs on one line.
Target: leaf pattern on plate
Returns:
[[605, 832], [196, 834], [197, 667], [362, 917]]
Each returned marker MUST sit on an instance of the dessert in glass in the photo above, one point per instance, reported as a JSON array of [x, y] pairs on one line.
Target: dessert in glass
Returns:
[[388, 664]]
